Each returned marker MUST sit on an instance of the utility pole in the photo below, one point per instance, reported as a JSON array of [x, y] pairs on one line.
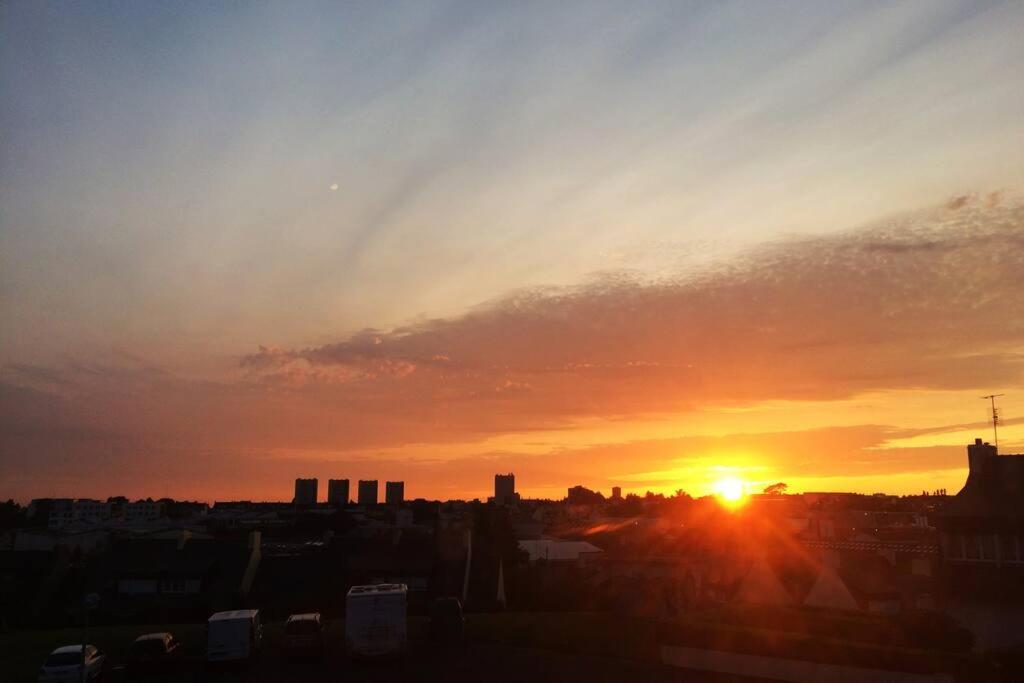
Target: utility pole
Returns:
[[89, 603], [469, 561], [995, 417]]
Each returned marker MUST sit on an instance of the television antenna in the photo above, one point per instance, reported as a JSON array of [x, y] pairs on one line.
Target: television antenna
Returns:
[[995, 416]]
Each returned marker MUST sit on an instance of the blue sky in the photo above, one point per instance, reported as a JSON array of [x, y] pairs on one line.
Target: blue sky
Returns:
[[157, 153]]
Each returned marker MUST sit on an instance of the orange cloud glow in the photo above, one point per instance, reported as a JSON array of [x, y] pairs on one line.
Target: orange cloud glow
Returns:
[[651, 385]]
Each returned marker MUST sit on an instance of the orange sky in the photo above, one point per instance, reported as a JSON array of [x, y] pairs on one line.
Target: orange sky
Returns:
[[242, 243], [849, 362]]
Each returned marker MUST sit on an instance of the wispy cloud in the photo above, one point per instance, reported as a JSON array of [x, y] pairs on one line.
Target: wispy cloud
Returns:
[[931, 302]]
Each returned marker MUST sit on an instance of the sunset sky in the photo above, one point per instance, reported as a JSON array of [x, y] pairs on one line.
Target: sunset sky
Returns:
[[638, 244]]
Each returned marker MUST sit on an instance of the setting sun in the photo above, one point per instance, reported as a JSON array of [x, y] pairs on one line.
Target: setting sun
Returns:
[[730, 490]]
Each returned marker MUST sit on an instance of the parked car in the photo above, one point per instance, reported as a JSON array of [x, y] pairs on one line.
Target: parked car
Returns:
[[64, 665], [154, 652], [375, 620], [304, 634], [447, 623], [234, 635]]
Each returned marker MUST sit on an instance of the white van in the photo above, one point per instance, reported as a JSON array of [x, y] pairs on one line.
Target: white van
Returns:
[[375, 619], [234, 635]]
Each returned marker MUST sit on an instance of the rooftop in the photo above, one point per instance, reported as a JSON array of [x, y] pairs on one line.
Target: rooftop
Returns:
[[379, 589], [556, 550], [234, 614], [994, 487], [306, 616]]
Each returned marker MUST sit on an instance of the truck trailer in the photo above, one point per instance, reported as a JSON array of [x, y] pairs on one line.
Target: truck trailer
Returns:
[[375, 620], [233, 635]]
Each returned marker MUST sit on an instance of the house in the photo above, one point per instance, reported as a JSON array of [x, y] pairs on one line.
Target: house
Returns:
[[299, 576], [402, 556], [143, 511], [554, 550], [46, 540], [981, 530], [981, 535], [181, 574]]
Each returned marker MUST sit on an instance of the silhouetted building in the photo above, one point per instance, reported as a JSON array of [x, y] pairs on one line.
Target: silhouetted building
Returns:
[[337, 491], [616, 493], [555, 550], [581, 495], [367, 491], [64, 512], [981, 530], [505, 489], [144, 511], [305, 491], [180, 573], [394, 492], [184, 509]]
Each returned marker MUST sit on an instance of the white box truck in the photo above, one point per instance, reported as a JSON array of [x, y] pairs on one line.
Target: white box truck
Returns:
[[234, 635], [375, 619]]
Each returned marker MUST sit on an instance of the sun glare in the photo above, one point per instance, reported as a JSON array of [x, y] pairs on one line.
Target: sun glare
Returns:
[[730, 491]]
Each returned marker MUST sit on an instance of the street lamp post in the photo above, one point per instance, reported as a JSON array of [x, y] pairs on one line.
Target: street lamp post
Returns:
[[89, 603]]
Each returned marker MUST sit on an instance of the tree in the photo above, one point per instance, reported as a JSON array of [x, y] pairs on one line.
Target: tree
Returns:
[[776, 489], [11, 515]]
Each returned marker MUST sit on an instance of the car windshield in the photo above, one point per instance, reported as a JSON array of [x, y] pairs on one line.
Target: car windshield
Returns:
[[64, 659], [301, 627], [148, 648]]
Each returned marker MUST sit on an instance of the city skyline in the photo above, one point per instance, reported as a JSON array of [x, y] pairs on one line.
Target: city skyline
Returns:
[[730, 489], [428, 243], [668, 340]]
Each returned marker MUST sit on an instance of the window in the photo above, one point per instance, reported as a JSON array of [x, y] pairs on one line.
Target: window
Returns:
[[971, 547], [952, 546], [136, 586], [64, 659], [148, 648], [988, 547], [173, 586], [1009, 545]]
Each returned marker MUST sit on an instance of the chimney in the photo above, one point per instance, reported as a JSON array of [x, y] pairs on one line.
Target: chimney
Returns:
[[978, 453]]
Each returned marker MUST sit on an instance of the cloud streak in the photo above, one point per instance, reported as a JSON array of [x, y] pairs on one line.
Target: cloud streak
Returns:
[[932, 301], [929, 302]]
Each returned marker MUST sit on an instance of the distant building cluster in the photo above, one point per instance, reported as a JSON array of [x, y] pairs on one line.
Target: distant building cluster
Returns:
[[338, 492], [652, 555], [71, 513]]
